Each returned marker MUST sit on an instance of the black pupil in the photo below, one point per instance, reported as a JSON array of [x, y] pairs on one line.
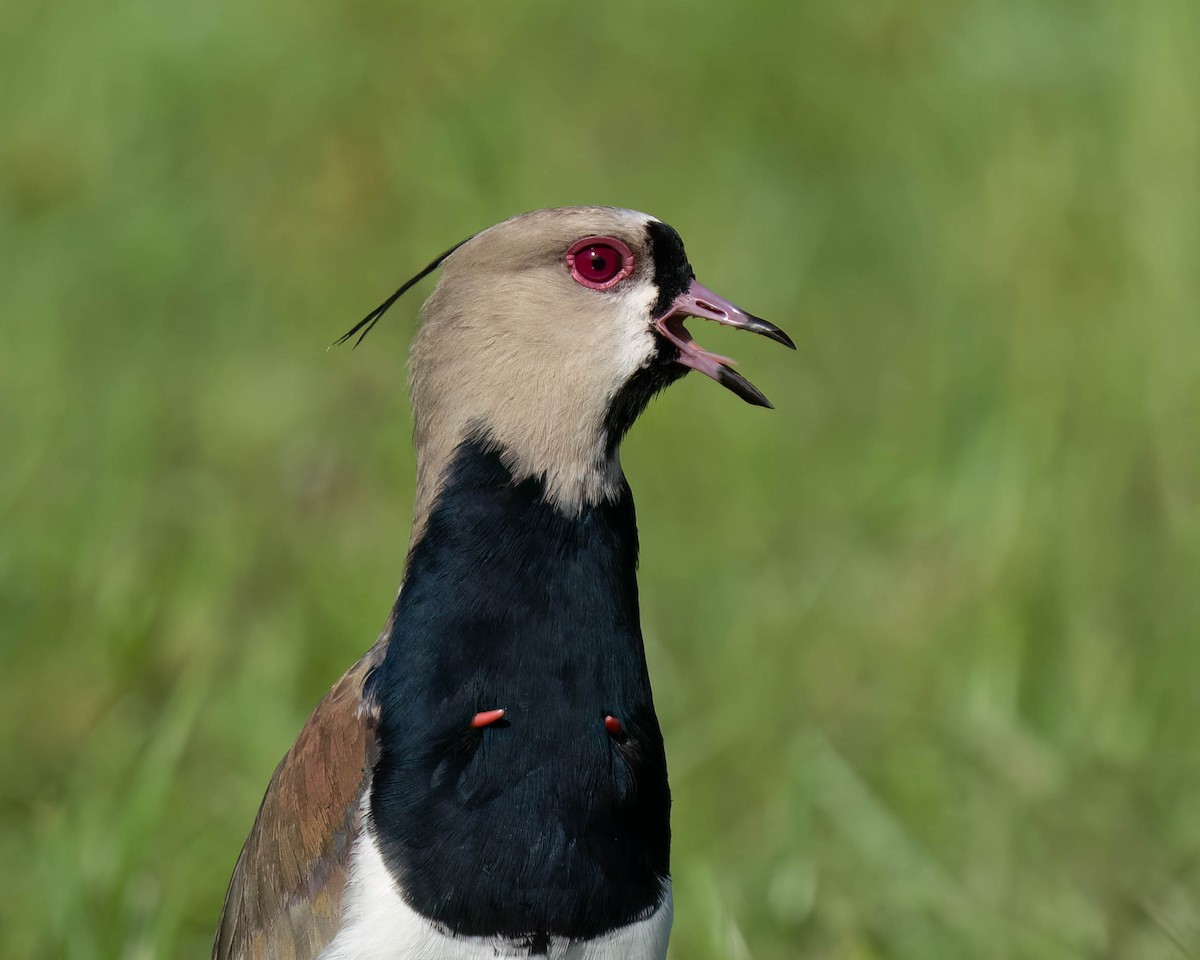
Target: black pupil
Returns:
[[599, 264]]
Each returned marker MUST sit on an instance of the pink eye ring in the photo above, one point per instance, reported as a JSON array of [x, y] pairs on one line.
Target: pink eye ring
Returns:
[[599, 262]]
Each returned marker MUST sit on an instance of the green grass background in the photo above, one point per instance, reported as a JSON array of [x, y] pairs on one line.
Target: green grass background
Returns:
[[925, 639]]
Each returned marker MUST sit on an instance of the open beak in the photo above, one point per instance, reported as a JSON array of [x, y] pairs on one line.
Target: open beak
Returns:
[[699, 301]]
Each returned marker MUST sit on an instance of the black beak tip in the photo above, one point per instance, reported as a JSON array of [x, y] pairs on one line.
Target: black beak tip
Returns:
[[770, 331], [735, 382]]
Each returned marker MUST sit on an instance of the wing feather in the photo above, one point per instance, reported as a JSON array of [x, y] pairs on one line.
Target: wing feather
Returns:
[[285, 896]]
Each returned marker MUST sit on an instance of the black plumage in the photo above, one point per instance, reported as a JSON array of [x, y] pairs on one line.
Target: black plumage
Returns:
[[510, 603]]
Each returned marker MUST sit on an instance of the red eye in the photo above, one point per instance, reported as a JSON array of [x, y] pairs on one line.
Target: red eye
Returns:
[[599, 262]]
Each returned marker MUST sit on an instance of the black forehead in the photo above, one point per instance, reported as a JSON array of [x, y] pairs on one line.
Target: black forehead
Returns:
[[672, 272]]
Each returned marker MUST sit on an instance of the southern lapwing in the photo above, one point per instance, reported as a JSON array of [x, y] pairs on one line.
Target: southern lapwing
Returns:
[[489, 779]]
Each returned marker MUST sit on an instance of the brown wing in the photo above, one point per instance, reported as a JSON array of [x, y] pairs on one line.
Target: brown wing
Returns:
[[285, 897]]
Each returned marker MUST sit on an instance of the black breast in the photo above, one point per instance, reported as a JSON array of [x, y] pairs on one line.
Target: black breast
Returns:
[[543, 823]]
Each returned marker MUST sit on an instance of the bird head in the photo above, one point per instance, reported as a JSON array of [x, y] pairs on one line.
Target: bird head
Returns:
[[548, 334]]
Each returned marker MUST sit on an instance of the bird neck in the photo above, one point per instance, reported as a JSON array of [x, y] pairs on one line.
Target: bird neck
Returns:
[[562, 435], [586, 466], [510, 603]]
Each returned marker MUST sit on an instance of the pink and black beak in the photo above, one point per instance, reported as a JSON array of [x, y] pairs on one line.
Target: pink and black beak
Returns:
[[699, 301]]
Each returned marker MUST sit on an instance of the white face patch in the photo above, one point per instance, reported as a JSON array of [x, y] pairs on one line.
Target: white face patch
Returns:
[[636, 344], [377, 924]]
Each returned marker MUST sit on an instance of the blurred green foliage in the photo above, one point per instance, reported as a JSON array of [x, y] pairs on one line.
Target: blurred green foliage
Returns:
[[926, 639]]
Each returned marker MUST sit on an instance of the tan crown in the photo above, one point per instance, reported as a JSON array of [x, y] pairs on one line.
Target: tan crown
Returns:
[[513, 349]]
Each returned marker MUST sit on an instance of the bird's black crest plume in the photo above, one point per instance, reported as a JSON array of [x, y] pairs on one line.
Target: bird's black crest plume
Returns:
[[367, 322]]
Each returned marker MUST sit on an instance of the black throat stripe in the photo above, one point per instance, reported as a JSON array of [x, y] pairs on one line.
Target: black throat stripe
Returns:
[[672, 272], [543, 823]]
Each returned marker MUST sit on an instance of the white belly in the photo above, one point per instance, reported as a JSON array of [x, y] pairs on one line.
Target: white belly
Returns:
[[378, 925]]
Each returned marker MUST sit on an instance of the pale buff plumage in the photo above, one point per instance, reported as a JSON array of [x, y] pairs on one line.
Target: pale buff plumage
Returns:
[[511, 344]]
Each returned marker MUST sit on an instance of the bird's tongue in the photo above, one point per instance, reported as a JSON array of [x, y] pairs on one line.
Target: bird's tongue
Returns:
[[691, 354], [699, 301]]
